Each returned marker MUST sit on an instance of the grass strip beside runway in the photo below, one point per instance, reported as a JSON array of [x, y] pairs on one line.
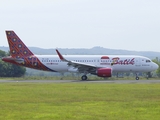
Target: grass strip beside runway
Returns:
[[80, 101]]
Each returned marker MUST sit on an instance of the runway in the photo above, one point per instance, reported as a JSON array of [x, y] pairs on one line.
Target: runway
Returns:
[[79, 81]]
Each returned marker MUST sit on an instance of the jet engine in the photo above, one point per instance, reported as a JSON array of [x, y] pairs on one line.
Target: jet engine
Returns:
[[72, 69], [104, 72]]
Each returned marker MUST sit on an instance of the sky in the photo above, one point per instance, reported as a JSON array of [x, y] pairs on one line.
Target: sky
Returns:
[[115, 24]]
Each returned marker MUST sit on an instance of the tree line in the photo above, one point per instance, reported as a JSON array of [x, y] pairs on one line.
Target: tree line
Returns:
[[157, 61]]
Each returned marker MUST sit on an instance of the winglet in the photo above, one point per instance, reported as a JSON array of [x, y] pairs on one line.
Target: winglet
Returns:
[[60, 56]]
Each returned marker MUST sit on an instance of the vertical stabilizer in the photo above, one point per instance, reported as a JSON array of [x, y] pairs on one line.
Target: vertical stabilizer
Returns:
[[17, 48]]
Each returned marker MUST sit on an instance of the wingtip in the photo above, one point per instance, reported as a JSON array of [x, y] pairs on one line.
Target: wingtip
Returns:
[[59, 54], [57, 51]]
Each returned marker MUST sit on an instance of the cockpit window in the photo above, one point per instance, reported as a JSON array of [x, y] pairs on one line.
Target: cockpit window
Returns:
[[148, 61]]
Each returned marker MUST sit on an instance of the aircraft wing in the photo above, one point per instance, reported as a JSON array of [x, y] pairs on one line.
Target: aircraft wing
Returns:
[[82, 67]]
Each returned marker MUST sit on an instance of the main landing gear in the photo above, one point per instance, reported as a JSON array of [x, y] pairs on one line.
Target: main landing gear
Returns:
[[84, 77]]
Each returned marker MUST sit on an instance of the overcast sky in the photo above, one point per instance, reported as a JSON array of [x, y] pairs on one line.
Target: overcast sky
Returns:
[[115, 24]]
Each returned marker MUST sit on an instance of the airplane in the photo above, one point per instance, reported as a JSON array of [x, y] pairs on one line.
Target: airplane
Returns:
[[100, 65]]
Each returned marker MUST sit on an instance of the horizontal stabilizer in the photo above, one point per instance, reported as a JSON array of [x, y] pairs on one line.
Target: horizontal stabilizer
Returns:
[[17, 60]]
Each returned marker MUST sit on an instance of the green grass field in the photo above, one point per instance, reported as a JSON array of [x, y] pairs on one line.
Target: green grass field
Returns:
[[79, 101]]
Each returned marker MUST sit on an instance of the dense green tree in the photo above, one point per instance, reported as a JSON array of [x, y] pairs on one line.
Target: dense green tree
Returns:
[[3, 68], [17, 71], [157, 61], [10, 70], [2, 53]]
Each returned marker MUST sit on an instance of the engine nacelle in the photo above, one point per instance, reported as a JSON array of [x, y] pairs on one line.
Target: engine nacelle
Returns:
[[104, 72], [72, 69]]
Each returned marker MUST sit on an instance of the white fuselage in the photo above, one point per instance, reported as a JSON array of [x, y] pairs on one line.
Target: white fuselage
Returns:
[[118, 63]]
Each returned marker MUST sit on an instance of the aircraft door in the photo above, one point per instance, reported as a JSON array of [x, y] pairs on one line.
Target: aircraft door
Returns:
[[137, 62]]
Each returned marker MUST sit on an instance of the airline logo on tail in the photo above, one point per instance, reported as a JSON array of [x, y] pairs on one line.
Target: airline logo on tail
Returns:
[[17, 48]]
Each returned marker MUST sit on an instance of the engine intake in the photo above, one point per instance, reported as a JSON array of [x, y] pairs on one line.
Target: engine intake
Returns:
[[104, 72]]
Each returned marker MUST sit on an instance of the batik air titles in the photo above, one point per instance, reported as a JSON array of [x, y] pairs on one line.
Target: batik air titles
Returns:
[[100, 65]]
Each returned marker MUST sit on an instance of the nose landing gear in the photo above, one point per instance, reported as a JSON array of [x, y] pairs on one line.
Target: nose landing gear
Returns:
[[137, 78]]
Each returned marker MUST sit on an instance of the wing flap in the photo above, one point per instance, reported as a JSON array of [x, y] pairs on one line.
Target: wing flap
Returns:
[[81, 66]]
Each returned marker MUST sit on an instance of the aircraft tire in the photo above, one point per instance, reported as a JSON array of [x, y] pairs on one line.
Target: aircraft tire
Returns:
[[84, 77], [137, 78]]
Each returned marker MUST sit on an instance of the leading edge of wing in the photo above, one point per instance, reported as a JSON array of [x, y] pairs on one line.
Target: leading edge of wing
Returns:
[[73, 63], [60, 56]]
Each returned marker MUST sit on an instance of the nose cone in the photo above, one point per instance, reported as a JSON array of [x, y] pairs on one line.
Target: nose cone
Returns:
[[155, 66]]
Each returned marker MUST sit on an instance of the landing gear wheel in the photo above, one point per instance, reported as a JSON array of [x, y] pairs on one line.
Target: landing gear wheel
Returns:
[[84, 77], [137, 78]]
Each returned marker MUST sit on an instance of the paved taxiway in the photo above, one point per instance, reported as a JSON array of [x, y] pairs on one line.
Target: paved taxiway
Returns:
[[79, 81]]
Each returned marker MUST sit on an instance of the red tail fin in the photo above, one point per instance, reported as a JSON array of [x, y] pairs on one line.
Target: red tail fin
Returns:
[[17, 48]]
